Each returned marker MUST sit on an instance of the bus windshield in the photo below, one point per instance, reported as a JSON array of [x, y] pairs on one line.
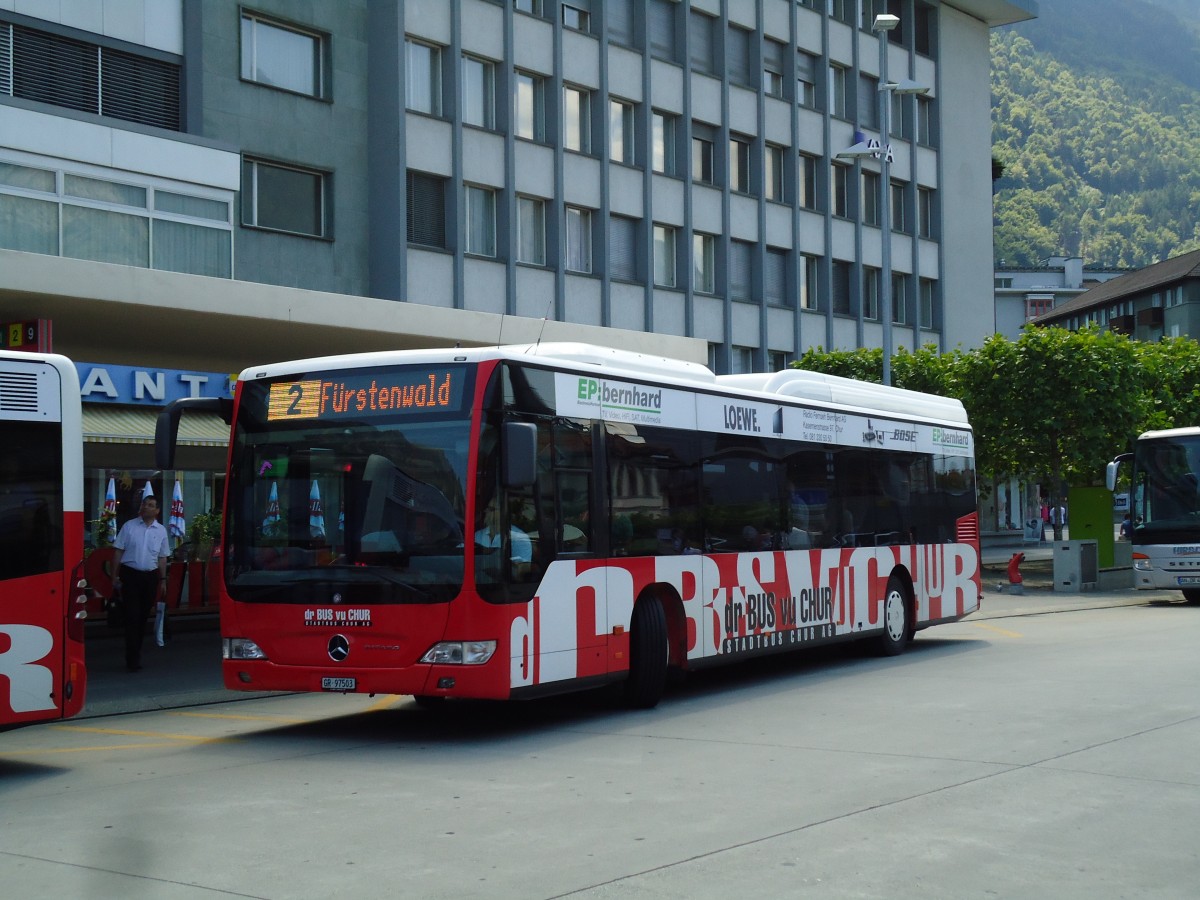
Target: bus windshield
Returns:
[[348, 505], [1166, 496]]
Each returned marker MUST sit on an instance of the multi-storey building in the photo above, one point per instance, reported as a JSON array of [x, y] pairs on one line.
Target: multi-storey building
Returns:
[[189, 186], [1023, 293], [1161, 300]]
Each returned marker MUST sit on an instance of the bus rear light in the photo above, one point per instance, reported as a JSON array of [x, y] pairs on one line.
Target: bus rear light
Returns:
[[460, 653], [241, 648]]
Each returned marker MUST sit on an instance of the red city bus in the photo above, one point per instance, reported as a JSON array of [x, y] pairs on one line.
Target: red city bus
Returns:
[[510, 522], [42, 673]]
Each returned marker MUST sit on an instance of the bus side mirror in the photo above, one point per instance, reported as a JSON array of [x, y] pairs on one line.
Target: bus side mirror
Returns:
[[166, 428], [1114, 467], [518, 454]]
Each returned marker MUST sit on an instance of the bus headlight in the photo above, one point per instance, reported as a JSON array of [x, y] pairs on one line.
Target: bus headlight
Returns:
[[241, 648], [1141, 562], [460, 653]]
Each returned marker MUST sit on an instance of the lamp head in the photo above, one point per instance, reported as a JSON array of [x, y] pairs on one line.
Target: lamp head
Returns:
[[885, 22]]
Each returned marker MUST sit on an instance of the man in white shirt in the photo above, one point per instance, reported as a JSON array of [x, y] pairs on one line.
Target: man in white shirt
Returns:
[[140, 563]]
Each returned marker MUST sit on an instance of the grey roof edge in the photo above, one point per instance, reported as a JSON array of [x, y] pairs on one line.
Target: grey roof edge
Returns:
[[997, 12]]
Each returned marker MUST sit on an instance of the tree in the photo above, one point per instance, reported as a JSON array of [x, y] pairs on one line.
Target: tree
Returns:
[[1054, 405]]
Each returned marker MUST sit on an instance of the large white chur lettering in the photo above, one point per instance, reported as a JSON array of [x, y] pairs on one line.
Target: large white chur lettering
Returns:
[[30, 685]]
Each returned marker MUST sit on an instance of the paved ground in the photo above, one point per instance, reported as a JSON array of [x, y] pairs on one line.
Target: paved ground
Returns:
[[187, 671]]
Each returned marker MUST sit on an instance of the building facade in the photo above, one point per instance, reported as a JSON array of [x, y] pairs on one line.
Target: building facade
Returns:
[[1025, 293], [1161, 300], [191, 186]]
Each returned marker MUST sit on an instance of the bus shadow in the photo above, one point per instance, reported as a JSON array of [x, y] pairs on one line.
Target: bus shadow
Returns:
[[467, 723]]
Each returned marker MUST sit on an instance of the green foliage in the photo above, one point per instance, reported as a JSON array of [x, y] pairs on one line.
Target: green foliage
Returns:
[[1054, 405], [1099, 151], [203, 532]]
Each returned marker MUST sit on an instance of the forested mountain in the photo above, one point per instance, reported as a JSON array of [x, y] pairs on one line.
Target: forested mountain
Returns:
[[1096, 119]]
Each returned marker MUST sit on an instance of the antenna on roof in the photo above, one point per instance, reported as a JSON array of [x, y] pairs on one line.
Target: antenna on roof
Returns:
[[542, 330]]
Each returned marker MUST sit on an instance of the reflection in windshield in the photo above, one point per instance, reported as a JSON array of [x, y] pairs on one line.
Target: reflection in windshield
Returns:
[[1166, 487], [372, 512]]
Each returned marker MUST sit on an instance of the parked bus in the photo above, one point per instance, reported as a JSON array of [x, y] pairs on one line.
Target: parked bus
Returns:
[[42, 673], [1164, 509], [510, 522]]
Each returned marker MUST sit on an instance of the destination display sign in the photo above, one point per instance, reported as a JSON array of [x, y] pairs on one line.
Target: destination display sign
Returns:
[[362, 394]]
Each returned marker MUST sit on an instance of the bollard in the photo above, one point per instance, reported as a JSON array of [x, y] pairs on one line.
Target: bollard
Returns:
[[1015, 581]]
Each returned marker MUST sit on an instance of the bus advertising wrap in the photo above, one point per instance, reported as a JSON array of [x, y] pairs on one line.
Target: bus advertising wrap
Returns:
[[585, 396]]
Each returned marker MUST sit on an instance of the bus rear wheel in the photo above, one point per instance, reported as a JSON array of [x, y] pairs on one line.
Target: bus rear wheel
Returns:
[[648, 655], [896, 626]]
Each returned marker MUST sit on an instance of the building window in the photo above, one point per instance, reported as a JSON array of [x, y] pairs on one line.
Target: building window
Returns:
[[900, 313], [774, 54], [839, 288], [806, 79], [741, 360], [841, 191], [283, 57], [479, 92], [900, 207], [925, 123], [837, 92], [777, 360], [481, 221], [702, 154], [620, 21], [807, 287], [925, 212], [622, 248], [868, 101], [576, 18], [773, 184], [807, 182], [153, 223], [660, 22], [426, 213], [739, 164], [741, 268], [842, 10], [530, 98], [530, 7], [284, 198], [928, 294], [664, 256], [870, 198], [577, 119], [531, 231], [704, 277], [700, 42], [579, 240], [870, 297], [775, 290], [61, 71], [665, 126], [737, 56], [423, 78], [620, 132]]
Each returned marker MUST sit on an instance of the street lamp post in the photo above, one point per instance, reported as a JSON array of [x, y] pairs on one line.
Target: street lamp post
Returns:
[[882, 150], [883, 24]]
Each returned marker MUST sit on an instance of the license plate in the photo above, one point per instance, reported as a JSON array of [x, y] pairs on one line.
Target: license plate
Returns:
[[1188, 580], [337, 684]]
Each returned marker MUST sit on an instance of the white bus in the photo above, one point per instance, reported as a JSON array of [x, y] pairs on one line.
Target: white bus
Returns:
[[1164, 509]]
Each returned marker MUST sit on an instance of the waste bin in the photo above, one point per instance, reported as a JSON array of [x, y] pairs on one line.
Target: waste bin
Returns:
[[1076, 566]]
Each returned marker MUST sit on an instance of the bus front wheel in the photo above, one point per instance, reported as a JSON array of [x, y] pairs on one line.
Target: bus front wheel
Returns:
[[648, 654], [1192, 596], [895, 619]]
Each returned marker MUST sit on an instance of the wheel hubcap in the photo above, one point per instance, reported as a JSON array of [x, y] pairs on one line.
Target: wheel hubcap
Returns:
[[894, 614]]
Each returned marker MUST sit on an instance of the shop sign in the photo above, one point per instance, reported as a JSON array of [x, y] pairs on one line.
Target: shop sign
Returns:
[[138, 386]]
